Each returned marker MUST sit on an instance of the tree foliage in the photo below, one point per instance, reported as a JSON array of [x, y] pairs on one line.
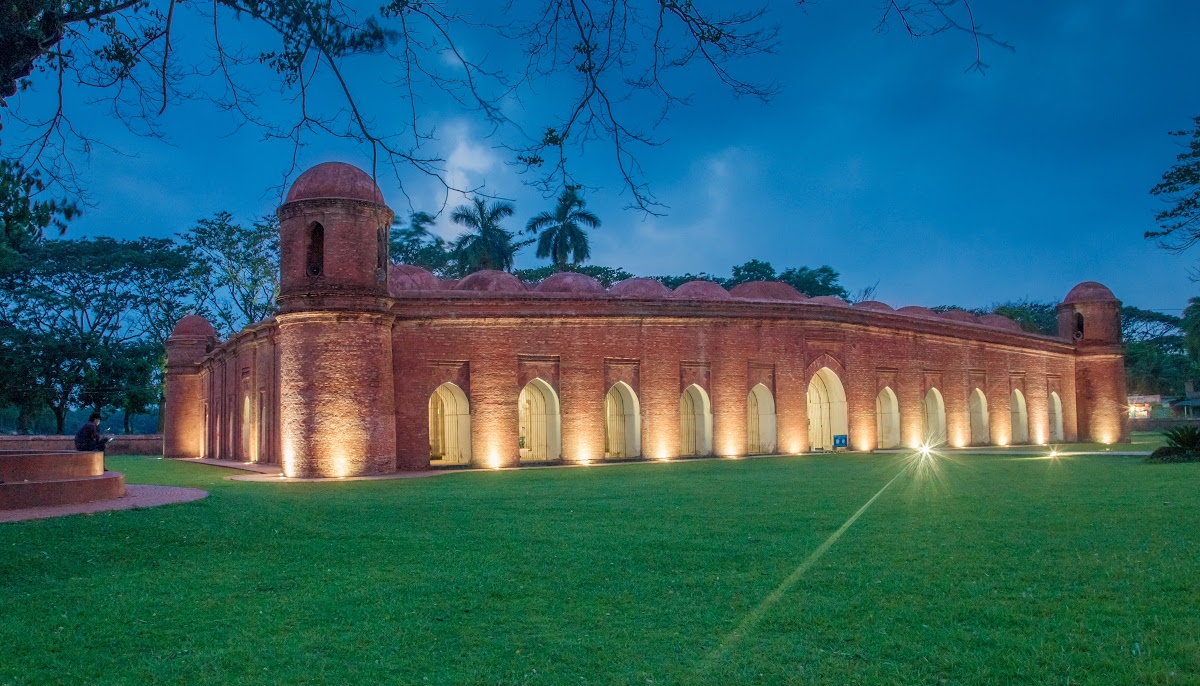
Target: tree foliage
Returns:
[[560, 234], [485, 244], [414, 244], [73, 311], [24, 217], [234, 269], [1179, 224]]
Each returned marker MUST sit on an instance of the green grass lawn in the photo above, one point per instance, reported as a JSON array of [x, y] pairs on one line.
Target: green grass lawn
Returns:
[[995, 570]]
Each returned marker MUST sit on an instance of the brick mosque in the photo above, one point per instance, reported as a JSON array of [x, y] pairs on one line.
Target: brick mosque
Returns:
[[371, 367]]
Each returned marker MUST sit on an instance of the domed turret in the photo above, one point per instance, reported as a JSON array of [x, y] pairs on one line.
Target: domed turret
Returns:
[[333, 235], [1090, 315]]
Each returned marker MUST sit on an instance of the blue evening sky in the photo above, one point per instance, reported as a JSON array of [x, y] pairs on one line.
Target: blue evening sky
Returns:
[[881, 157]]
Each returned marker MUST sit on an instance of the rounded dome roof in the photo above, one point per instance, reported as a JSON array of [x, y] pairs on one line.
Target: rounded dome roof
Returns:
[[335, 180], [491, 280], [639, 287], [917, 311], [700, 290], [407, 277], [193, 325], [999, 321], [570, 282], [1089, 292], [874, 305], [830, 300], [766, 290], [959, 315]]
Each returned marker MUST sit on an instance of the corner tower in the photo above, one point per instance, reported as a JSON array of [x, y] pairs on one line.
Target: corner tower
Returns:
[[337, 403], [1090, 316], [184, 412]]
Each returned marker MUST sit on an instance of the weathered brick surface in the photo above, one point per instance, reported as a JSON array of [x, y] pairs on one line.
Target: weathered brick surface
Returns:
[[340, 384]]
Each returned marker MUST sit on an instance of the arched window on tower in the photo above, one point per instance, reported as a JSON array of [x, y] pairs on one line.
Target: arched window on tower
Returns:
[[315, 265], [1079, 326], [381, 264]]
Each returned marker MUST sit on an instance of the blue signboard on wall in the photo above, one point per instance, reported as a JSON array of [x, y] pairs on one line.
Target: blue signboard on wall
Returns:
[[841, 441]]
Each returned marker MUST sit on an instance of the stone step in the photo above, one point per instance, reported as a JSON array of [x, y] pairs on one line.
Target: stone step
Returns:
[[16, 495], [46, 466]]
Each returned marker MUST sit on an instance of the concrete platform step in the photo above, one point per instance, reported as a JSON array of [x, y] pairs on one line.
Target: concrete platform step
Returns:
[[16, 495], [44, 466]]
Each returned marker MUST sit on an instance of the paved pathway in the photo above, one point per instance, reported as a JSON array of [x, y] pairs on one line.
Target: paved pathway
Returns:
[[136, 496]]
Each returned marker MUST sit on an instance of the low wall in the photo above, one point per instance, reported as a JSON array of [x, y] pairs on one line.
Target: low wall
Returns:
[[148, 444], [1160, 424]]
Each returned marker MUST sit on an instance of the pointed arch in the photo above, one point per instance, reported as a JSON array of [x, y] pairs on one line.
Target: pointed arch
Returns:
[[933, 416], [1056, 418], [826, 409], [887, 419], [314, 264], [449, 425], [695, 422], [1019, 416], [760, 421], [980, 430], [539, 422], [622, 422]]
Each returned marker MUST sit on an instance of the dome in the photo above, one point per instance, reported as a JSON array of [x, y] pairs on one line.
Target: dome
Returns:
[[570, 282], [193, 325], [999, 321], [407, 277], [1089, 292], [959, 316], [874, 305], [335, 180], [639, 287], [829, 300], [491, 280], [918, 311], [700, 290], [766, 290]]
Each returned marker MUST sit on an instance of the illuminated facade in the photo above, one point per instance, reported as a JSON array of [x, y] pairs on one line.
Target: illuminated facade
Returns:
[[370, 367]]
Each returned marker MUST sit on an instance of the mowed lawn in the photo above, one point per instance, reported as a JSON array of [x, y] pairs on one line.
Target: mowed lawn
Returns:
[[994, 569]]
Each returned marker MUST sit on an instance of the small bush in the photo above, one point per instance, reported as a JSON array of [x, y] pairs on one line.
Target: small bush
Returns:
[[1185, 437], [1172, 453]]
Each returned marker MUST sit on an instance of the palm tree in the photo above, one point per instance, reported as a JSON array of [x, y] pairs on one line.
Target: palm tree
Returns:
[[562, 233], [485, 245]]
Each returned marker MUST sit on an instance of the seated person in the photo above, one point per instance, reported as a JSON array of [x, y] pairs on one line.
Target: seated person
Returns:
[[88, 437]]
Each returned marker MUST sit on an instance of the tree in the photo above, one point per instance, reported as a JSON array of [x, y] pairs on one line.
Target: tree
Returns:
[[234, 269], [485, 245], [1179, 224], [607, 276], [414, 244], [1034, 316], [610, 62], [560, 233], [754, 270], [70, 306], [23, 217], [815, 282]]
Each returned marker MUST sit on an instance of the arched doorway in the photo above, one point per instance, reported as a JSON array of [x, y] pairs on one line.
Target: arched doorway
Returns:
[[539, 423], [1056, 418], [622, 422], [1019, 416], [826, 409], [695, 422], [980, 432], [933, 416], [887, 419], [449, 425], [760, 421]]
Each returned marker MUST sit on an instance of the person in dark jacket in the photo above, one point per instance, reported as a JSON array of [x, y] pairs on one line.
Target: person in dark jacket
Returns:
[[88, 437]]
